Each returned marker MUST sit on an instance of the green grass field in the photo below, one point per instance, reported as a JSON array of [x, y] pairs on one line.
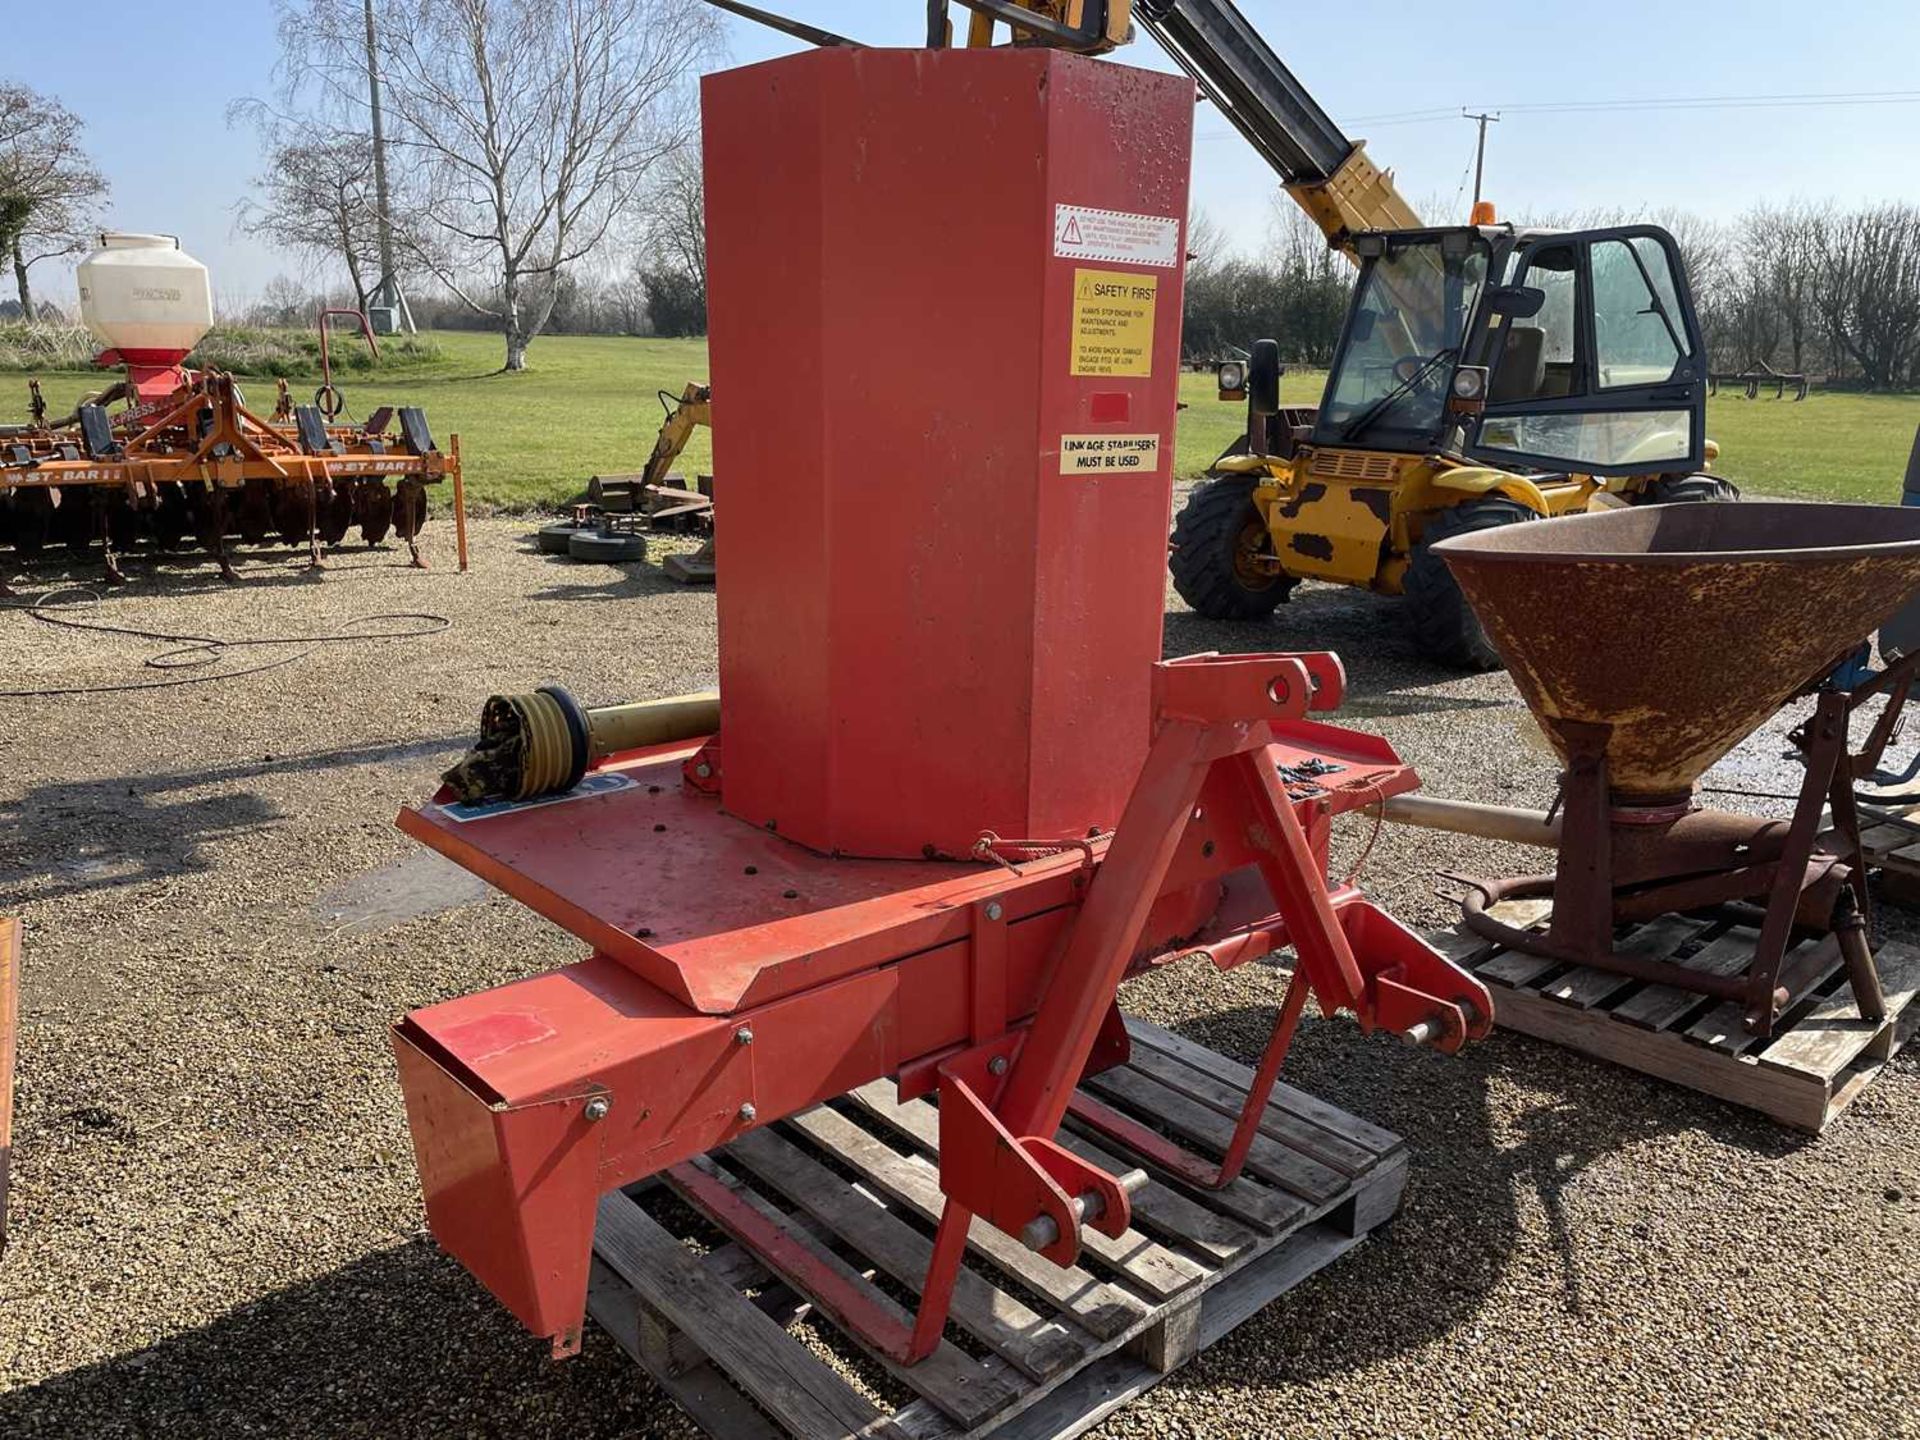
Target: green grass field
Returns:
[[587, 407]]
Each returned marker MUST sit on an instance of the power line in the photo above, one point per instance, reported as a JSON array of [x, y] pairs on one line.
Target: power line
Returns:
[[1677, 102]]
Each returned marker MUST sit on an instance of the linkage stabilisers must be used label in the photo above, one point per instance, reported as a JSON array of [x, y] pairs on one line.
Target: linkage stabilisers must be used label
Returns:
[[1103, 454]]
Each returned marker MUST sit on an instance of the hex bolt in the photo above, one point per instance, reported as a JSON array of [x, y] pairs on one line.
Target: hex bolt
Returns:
[[994, 912], [747, 1112], [703, 770], [997, 1065], [743, 1036], [598, 1107]]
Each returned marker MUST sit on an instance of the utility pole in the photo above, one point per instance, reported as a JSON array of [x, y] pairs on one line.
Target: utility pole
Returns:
[[1480, 151], [388, 290]]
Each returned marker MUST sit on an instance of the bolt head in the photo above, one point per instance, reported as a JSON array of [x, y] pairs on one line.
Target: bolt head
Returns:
[[747, 1112], [994, 912], [598, 1107], [997, 1065], [743, 1036], [703, 770]]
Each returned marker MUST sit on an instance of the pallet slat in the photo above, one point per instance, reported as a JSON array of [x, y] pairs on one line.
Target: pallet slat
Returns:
[[1331, 1150], [1195, 1123], [1833, 1034], [1655, 1007], [1096, 1306], [969, 1390], [1585, 987], [1724, 1028], [780, 1374], [703, 1392], [825, 1192], [1308, 1107], [1038, 1345], [1155, 1269], [1818, 1060]]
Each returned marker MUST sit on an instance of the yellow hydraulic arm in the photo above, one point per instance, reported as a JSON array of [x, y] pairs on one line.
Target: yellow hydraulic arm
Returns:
[[694, 407], [1328, 175]]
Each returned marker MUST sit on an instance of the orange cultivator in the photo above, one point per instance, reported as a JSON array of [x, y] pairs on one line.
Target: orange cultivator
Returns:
[[200, 463], [186, 456]]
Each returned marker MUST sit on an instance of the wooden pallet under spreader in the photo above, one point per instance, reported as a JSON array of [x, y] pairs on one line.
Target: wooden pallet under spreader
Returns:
[[1032, 1349], [1891, 839], [1820, 1056]]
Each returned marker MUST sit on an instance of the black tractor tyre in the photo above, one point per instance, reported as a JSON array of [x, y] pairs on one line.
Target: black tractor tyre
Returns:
[[552, 538], [1443, 624], [1216, 536], [592, 546], [1688, 490]]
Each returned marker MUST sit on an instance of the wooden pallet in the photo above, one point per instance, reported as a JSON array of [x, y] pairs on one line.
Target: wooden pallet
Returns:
[[1032, 1350], [1891, 839], [1820, 1056]]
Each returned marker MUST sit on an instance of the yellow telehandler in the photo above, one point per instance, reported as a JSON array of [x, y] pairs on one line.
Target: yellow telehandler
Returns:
[[1486, 375]]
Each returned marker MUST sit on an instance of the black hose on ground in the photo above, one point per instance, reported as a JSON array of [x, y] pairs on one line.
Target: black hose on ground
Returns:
[[194, 652]]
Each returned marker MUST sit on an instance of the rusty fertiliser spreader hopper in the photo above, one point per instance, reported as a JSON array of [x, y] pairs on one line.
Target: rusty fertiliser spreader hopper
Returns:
[[1648, 643], [956, 797]]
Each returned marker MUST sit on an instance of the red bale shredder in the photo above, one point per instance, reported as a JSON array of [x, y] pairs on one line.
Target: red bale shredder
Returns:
[[955, 797]]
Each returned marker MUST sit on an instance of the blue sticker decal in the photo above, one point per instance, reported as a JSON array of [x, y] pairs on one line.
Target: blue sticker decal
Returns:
[[592, 785]]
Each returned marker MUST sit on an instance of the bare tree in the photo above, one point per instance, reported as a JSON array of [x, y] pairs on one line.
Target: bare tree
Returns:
[[676, 229], [529, 126], [1207, 243], [1867, 290], [50, 192], [316, 197]]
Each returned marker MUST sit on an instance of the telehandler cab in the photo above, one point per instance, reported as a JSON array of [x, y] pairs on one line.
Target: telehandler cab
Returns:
[[1486, 375]]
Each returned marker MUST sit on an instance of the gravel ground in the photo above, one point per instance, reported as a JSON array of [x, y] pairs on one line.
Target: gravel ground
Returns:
[[217, 1228]]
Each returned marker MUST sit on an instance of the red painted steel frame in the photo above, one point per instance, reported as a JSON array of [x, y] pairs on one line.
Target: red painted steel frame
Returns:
[[530, 1101]]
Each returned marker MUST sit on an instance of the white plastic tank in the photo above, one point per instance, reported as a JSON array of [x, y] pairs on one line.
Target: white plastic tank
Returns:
[[144, 296]]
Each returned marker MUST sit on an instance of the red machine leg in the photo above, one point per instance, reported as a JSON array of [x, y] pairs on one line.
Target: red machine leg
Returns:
[[1263, 1080], [936, 1293]]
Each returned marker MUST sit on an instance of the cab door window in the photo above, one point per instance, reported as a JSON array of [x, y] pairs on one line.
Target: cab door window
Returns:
[[1637, 335], [1539, 356], [1606, 376]]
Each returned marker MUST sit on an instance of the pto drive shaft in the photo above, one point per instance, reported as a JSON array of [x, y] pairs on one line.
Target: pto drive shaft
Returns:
[[541, 743]]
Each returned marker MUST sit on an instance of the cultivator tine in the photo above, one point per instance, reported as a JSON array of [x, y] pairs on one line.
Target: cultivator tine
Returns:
[[410, 513], [103, 528], [311, 505]]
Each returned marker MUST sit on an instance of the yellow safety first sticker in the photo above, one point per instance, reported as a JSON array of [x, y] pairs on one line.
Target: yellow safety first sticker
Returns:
[[1096, 454], [1113, 322]]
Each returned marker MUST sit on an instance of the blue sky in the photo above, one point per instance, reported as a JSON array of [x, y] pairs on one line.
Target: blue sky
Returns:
[[153, 83]]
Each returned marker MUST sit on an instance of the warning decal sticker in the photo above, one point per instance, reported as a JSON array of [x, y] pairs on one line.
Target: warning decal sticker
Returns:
[[1113, 322], [1095, 454], [1083, 234]]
